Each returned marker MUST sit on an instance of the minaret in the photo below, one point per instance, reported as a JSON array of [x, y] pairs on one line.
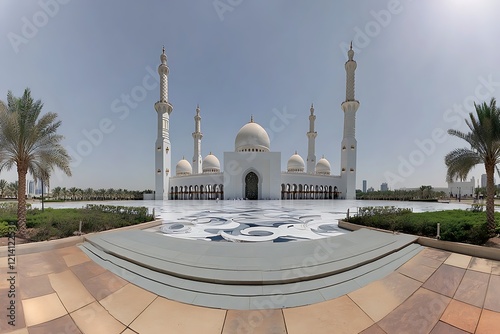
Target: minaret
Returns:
[[349, 143], [311, 135], [197, 135], [163, 163]]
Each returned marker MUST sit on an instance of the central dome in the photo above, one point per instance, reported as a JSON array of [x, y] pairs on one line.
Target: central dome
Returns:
[[252, 138]]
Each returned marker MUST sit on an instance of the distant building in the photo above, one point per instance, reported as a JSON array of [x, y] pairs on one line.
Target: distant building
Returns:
[[364, 186], [370, 190], [483, 181], [462, 189], [30, 189], [384, 187]]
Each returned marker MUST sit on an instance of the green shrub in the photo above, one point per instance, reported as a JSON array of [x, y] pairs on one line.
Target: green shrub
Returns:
[[456, 225], [6, 229]]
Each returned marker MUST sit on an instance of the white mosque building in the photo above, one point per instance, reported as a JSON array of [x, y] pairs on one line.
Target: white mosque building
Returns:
[[252, 171]]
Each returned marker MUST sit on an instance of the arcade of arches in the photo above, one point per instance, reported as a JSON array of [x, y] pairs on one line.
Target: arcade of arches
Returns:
[[288, 191]]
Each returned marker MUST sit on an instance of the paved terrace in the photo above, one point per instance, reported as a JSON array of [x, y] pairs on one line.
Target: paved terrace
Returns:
[[412, 289]]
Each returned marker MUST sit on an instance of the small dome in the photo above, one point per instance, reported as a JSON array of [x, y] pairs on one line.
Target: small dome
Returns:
[[211, 164], [323, 167], [252, 138], [295, 164], [183, 167]]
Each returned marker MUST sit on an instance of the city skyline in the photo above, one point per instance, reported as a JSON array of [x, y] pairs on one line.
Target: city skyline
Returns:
[[421, 65]]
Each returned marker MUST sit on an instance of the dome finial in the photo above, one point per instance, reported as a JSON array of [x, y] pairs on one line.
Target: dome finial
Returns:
[[350, 53], [295, 151], [163, 51], [312, 109], [251, 118], [163, 56]]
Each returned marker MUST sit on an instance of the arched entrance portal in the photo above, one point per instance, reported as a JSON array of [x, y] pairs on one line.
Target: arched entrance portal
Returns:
[[251, 186]]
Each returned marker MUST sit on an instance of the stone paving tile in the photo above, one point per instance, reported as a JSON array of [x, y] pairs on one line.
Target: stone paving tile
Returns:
[[421, 259], [435, 254], [472, 289], [255, 322], [128, 331], [67, 250], [418, 314], [445, 280], [341, 314], [379, 298], [167, 316], [103, 285], [43, 263], [35, 286], [462, 315], [418, 268], [70, 290], [482, 265], [127, 303], [11, 313], [94, 319], [495, 268], [458, 260], [42, 309], [444, 328], [18, 331], [492, 300], [60, 325], [488, 323], [373, 329], [75, 258], [87, 270]]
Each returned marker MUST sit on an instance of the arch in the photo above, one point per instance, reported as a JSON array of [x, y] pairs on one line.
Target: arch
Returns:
[[251, 186], [335, 193]]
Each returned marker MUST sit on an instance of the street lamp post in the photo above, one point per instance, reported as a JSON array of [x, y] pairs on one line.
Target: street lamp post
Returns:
[[42, 194], [459, 194]]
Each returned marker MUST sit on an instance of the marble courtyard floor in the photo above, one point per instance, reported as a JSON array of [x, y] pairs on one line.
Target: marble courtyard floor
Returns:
[[64, 291]]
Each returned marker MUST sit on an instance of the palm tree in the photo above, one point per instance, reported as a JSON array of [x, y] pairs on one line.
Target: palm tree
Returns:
[[73, 191], [3, 187], [484, 141], [14, 188], [56, 192], [29, 141]]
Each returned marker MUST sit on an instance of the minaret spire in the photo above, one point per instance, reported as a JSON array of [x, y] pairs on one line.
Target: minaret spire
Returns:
[[349, 143], [163, 150], [311, 147], [197, 135]]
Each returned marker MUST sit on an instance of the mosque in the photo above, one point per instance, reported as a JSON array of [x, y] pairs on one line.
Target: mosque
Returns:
[[252, 171]]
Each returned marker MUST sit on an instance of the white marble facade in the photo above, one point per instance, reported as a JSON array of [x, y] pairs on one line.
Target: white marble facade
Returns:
[[253, 171]]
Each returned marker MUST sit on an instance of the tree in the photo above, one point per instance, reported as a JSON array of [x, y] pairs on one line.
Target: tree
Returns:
[[484, 141], [29, 141], [73, 191], [56, 192], [3, 187]]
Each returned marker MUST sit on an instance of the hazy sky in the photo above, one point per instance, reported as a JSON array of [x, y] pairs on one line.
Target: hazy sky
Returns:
[[421, 64]]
